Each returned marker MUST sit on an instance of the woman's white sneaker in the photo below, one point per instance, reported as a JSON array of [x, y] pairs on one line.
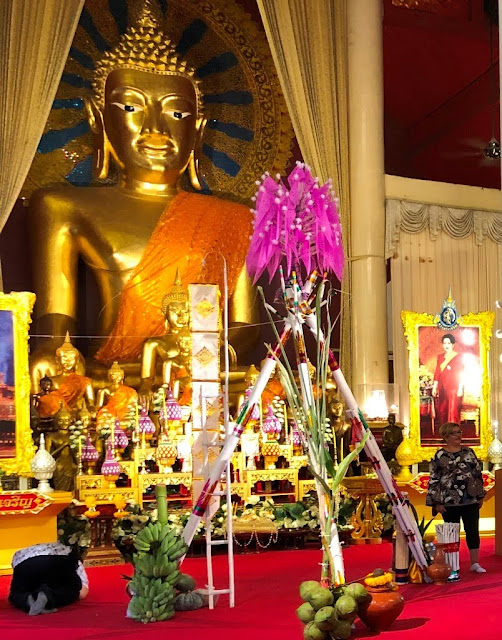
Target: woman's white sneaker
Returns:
[[476, 568]]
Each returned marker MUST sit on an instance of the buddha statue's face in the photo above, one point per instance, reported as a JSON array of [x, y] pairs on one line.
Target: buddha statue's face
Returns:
[[68, 359], [178, 315], [151, 124], [337, 409], [116, 377], [45, 385], [63, 422]]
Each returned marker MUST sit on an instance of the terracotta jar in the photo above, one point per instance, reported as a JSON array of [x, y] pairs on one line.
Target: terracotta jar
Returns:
[[439, 571], [384, 607]]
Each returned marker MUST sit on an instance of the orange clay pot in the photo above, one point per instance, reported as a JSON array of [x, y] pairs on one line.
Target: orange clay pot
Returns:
[[384, 607], [439, 571]]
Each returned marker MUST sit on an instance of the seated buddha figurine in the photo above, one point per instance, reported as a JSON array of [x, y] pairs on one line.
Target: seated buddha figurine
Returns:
[[147, 119], [71, 389], [117, 397], [174, 348]]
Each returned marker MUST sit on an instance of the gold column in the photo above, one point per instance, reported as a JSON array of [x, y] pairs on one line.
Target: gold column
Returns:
[[367, 189]]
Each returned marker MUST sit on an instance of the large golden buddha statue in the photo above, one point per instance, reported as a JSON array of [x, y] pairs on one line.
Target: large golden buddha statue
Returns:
[[147, 120]]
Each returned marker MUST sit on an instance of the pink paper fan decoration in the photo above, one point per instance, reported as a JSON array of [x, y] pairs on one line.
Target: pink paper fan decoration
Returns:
[[298, 226]]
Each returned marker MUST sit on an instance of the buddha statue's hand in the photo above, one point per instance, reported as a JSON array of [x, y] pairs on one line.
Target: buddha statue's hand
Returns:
[[145, 391], [232, 357]]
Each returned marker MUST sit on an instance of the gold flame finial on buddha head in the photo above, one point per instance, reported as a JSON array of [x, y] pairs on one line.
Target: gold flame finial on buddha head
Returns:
[[177, 294], [144, 47], [115, 372], [67, 347]]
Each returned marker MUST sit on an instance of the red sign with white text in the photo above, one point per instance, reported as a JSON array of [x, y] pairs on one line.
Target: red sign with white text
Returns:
[[20, 502]]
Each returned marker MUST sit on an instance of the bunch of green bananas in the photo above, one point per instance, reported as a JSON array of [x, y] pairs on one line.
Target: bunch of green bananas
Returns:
[[156, 601], [152, 536], [155, 572]]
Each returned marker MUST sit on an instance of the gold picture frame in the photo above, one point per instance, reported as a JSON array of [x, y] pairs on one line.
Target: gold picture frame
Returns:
[[15, 312], [425, 337]]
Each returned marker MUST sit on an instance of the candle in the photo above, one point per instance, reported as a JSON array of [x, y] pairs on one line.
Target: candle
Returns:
[[287, 430], [112, 438]]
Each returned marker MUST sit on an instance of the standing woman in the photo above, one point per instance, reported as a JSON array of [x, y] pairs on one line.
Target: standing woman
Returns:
[[456, 487]]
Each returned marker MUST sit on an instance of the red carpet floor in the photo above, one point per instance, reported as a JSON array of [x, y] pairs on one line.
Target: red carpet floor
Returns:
[[267, 596]]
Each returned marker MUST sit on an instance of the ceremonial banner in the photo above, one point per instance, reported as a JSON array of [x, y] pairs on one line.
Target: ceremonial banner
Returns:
[[206, 394]]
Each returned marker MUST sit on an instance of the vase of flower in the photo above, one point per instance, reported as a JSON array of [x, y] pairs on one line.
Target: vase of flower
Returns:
[[439, 571], [385, 605]]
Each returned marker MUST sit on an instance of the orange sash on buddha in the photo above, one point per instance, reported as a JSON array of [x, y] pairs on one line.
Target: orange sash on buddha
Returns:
[[192, 230], [119, 401], [69, 391]]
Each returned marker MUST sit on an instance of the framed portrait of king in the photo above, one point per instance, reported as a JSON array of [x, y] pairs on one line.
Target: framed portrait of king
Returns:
[[16, 443], [448, 377]]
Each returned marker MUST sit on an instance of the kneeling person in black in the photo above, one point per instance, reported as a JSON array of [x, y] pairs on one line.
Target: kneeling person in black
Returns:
[[46, 577]]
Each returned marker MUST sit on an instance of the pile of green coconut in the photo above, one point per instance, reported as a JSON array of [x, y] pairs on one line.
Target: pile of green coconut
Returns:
[[329, 613]]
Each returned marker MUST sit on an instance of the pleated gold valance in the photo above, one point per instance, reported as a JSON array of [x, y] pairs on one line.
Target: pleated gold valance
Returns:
[[414, 217]]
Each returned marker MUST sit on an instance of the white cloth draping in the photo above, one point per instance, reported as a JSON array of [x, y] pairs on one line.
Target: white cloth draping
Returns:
[[35, 38], [309, 44]]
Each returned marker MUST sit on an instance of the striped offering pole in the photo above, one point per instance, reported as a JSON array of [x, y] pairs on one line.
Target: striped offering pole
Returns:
[[401, 556], [401, 511]]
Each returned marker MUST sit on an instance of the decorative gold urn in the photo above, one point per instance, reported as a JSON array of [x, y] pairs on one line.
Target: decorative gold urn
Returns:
[[270, 450], [166, 454], [405, 457]]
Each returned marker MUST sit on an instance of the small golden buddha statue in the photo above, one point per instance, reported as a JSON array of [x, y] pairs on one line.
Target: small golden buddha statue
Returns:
[[58, 445], [147, 120], [71, 389], [174, 348], [341, 429], [117, 397]]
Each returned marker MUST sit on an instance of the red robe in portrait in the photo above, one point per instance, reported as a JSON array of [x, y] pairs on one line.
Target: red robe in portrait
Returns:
[[449, 378]]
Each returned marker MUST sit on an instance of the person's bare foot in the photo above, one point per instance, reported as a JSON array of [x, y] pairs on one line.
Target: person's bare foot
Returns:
[[38, 605]]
